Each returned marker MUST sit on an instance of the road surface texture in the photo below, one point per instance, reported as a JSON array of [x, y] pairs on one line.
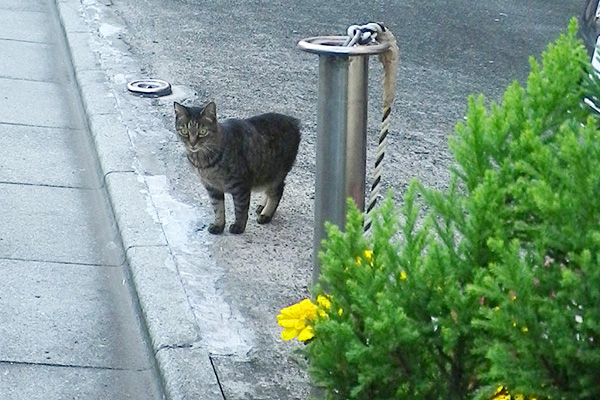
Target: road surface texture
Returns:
[[243, 55]]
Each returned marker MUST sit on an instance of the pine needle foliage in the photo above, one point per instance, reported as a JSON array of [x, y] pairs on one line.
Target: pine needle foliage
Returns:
[[492, 283]]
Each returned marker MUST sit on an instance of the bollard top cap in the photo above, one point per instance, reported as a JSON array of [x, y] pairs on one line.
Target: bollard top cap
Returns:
[[334, 45]]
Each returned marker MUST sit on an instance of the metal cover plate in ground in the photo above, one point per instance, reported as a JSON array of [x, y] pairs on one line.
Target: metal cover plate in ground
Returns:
[[150, 87]]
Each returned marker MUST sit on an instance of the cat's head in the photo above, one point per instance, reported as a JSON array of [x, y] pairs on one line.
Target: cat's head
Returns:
[[196, 125]]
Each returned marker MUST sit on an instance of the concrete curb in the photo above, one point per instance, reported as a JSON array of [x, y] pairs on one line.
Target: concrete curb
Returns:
[[186, 370]]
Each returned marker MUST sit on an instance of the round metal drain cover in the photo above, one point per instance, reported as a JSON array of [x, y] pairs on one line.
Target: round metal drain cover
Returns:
[[150, 87]]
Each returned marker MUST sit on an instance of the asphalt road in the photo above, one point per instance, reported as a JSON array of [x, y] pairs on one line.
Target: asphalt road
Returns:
[[243, 55]]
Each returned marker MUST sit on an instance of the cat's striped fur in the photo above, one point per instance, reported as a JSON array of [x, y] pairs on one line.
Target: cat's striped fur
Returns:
[[237, 156]]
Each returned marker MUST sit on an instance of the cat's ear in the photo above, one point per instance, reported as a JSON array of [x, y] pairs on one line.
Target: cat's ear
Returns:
[[181, 112], [210, 111]]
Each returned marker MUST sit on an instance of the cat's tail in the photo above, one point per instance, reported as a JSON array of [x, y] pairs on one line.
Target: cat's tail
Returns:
[[296, 131], [295, 128], [297, 124]]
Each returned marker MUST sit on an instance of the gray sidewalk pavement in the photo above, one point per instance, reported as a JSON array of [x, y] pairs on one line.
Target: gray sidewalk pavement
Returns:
[[70, 325], [91, 301]]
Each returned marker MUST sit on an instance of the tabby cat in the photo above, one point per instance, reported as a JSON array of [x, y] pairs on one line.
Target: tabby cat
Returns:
[[239, 155]]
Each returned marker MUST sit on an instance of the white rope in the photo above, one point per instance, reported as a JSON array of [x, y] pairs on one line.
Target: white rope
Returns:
[[364, 34]]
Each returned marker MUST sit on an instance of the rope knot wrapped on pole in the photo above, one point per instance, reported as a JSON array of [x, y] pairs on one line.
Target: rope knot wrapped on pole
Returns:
[[362, 35]]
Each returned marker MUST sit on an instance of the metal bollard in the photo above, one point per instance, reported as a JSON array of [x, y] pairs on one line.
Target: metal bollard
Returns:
[[341, 130]]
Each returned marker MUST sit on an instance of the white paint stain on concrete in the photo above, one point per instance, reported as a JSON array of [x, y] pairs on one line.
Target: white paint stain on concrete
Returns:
[[107, 30], [225, 331]]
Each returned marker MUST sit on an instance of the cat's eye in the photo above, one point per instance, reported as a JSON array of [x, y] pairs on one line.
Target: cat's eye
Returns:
[[183, 132], [203, 131]]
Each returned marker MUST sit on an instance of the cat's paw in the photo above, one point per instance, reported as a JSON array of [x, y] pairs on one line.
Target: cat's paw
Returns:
[[216, 229], [237, 229], [259, 209], [264, 219]]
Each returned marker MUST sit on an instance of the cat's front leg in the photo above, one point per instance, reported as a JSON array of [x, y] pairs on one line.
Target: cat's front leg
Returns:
[[217, 200], [241, 201]]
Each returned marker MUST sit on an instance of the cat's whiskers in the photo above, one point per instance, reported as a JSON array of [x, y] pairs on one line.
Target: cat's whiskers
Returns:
[[205, 149], [193, 149], [205, 156]]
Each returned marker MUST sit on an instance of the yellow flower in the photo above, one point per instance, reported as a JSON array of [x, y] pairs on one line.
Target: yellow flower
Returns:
[[368, 255], [324, 304], [403, 276], [502, 393], [297, 320], [306, 334]]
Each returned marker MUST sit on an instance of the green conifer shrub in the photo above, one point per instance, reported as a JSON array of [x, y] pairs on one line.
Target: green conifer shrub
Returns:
[[493, 282]]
